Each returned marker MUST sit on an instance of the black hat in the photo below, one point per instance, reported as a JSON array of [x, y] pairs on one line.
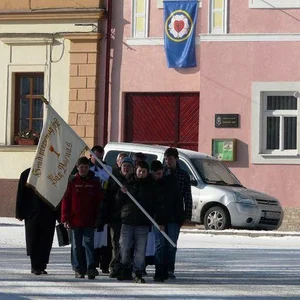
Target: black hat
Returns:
[[171, 152]]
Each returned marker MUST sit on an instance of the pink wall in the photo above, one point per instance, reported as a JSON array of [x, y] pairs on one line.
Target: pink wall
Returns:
[[242, 19], [143, 68], [147, 64], [227, 72], [245, 20], [149, 72]]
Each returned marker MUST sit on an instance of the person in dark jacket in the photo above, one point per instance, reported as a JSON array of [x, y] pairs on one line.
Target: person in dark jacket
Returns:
[[135, 224], [164, 252], [80, 206], [110, 212], [171, 157], [40, 221]]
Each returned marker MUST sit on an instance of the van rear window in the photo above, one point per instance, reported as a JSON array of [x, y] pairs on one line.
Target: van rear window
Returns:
[[111, 156]]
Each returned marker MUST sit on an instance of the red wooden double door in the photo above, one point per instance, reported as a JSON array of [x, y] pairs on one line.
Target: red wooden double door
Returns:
[[170, 119]]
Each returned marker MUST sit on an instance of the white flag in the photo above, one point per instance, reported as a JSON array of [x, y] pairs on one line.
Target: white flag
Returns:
[[57, 153]]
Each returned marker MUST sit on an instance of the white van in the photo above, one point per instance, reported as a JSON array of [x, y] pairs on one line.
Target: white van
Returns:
[[220, 201]]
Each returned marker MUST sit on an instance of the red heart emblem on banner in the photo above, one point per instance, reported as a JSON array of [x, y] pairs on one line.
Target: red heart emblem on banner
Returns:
[[178, 25]]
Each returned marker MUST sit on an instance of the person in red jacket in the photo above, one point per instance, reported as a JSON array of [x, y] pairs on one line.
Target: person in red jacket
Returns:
[[80, 206]]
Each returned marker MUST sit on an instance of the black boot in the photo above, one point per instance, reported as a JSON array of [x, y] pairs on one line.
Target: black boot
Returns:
[[125, 274], [36, 271], [92, 273], [159, 275], [138, 277]]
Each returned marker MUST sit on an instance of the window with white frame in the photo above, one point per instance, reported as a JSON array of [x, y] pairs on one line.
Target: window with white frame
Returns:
[[28, 102], [140, 9], [218, 16], [280, 118], [275, 123], [273, 4]]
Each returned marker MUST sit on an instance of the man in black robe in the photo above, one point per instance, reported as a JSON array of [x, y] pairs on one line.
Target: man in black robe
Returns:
[[40, 221]]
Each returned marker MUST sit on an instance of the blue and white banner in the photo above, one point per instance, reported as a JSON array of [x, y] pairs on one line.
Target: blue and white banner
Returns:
[[180, 19]]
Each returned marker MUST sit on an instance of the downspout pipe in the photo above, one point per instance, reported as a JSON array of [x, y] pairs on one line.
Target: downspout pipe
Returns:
[[107, 71]]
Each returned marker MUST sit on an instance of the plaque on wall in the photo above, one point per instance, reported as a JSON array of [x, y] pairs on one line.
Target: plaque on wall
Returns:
[[226, 120]]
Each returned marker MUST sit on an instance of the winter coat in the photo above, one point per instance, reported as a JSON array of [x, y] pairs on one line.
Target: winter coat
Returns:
[[110, 210], [39, 219], [81, 201], [183, 180], [147, 193], [173, 202]]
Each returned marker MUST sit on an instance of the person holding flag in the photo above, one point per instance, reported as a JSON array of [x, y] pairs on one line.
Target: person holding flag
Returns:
[[135, 225]]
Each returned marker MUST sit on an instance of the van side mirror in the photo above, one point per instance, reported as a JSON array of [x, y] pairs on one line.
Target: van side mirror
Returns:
[[194, 182]]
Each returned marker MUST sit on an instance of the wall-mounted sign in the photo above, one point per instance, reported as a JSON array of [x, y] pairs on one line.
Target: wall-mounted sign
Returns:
[[226, 120], [224, 149]]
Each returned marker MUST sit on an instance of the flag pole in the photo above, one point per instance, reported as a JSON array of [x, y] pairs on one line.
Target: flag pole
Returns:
[[132, 198], [44, 100]]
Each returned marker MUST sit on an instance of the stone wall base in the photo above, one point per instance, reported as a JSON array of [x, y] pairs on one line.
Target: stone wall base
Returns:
[[8, 194], [291, 220]]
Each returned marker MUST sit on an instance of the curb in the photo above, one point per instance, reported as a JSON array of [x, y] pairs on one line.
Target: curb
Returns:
[[7, 222], [250, 233]]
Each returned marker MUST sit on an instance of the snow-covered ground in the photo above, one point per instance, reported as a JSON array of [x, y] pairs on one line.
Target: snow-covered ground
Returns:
[[209, 266]]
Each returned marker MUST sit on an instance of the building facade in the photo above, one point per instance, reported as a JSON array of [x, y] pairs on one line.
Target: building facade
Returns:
[[51, 49], [249, 67], [247, 62], [147, 98]]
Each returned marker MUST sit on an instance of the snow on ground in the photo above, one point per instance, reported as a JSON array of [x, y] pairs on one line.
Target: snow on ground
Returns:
[[12, 236], [209, 266]]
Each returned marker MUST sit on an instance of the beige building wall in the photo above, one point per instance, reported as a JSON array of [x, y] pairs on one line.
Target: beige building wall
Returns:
[[42, 4], [84, 76], [49, 41]]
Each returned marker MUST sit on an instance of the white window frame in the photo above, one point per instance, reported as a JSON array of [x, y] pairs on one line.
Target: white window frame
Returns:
[[146, 20], [12, 70], [6, 136], [224, 28], [274, 4], [160, 3], [281, 114], [260, 90]]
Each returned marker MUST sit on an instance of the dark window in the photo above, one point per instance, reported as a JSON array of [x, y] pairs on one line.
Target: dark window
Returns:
[[282, 128], [111, 157], [281, 102], [273, 133], [290, 132], [185, 167], [28, 104], [150, 157]]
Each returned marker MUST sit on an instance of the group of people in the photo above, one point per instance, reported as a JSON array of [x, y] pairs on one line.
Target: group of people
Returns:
[[97, 201]]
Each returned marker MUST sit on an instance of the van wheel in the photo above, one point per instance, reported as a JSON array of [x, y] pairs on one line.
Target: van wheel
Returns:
[[216, 218]]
